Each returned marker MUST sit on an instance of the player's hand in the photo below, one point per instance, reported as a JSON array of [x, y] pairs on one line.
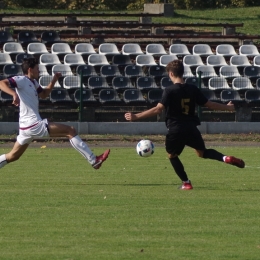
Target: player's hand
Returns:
[[16, 100], [57, 75], [231, 106], [130, 116]]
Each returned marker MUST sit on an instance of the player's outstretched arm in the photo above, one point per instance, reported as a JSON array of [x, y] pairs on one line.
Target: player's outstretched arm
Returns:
[[46, 92], [5, 87], [218, 106], [148, 113]]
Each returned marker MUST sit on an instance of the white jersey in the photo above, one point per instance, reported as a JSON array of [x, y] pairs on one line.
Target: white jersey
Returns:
[[27, 90]]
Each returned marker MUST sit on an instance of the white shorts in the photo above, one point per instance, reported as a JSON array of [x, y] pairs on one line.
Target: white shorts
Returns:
[[27, 134]]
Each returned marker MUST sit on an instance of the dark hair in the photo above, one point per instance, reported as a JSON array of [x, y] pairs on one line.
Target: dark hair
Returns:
[[29, 63], [176, 67]]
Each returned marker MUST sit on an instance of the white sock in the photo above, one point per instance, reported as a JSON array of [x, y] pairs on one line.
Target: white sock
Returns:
[[82, 148], [3, 161], [224, 158]]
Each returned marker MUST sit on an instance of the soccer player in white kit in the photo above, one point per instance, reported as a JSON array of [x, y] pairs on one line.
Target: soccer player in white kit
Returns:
[[31, 125]]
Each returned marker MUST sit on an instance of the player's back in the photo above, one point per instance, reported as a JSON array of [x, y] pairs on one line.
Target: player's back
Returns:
[[180, 101]]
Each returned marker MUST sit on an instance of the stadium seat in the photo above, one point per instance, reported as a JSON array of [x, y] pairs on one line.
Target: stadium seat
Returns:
[[239, 61], [133, 71], [5, 98], [202, 50], [195, 81], [133, 97], [97, 83], [165, 82], [5, 37], [241, 84], [85, 71], [226, 50], [154, 96], [230, 95], [216, 61], [108, 49], [26, 37], [121, 61], [43, 70], [84, 49], [12, 70], [187, 72], [248, 50], [257, 84], [121, 83], [210, 95], [155, 49], [73, 60], [45, 80], [145, 60], [13, 48], [97, 60], [229, 72], [21, 56], [252, 72], [72, 82], [5, 58], [50, 37], [206, 71], [60, 96], [49, 60], [218, 83], [165, 59], [109, 72], [36, 49], [157, 72], [109, 97], [192, 61], [65, 70], [252, 97], [179, 50], [145, 83], [61, 49], [87, 97], [256, 61], [132, 49]]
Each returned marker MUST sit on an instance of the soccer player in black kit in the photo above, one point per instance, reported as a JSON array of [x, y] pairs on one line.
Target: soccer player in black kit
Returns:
[[179, 102]]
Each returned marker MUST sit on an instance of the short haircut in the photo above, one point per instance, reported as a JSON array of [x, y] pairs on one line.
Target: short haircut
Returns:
[[29, 63], [176, 67]]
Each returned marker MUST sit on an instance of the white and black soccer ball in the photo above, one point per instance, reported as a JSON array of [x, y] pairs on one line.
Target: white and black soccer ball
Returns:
[[145, 148]]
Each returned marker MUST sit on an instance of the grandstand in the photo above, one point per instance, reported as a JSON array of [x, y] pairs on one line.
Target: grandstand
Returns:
[[126, 71]]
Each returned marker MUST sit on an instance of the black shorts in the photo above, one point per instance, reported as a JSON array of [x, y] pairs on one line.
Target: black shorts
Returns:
[[181, 135]]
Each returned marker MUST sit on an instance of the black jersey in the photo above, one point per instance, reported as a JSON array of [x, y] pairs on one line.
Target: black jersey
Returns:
[[180, 102]]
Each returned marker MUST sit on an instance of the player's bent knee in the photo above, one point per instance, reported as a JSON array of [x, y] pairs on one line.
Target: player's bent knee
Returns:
[[170, 156], [199, 153]]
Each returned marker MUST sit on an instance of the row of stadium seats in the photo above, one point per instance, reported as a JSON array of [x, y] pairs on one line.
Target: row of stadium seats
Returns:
[[202, 50], [62, 97]]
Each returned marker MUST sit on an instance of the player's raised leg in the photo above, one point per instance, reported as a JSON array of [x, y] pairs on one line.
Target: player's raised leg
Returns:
[[61, 130]]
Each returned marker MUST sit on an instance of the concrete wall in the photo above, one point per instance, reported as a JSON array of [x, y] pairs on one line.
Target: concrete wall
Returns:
[[145, 128]]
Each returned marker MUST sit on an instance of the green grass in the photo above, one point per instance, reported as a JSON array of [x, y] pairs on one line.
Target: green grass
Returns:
[[248, 15], [55, 206]]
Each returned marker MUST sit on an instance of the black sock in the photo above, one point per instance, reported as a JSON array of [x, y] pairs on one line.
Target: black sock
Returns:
[[213, 154], [179, 169]]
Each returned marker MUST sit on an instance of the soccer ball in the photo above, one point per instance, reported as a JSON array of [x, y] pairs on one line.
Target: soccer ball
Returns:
[[145, 148]]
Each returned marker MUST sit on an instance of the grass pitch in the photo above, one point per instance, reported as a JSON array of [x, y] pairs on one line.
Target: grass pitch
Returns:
[[55, 206]]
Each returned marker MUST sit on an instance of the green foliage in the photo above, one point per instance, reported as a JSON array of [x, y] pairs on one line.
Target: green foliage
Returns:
[[114, 5]]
